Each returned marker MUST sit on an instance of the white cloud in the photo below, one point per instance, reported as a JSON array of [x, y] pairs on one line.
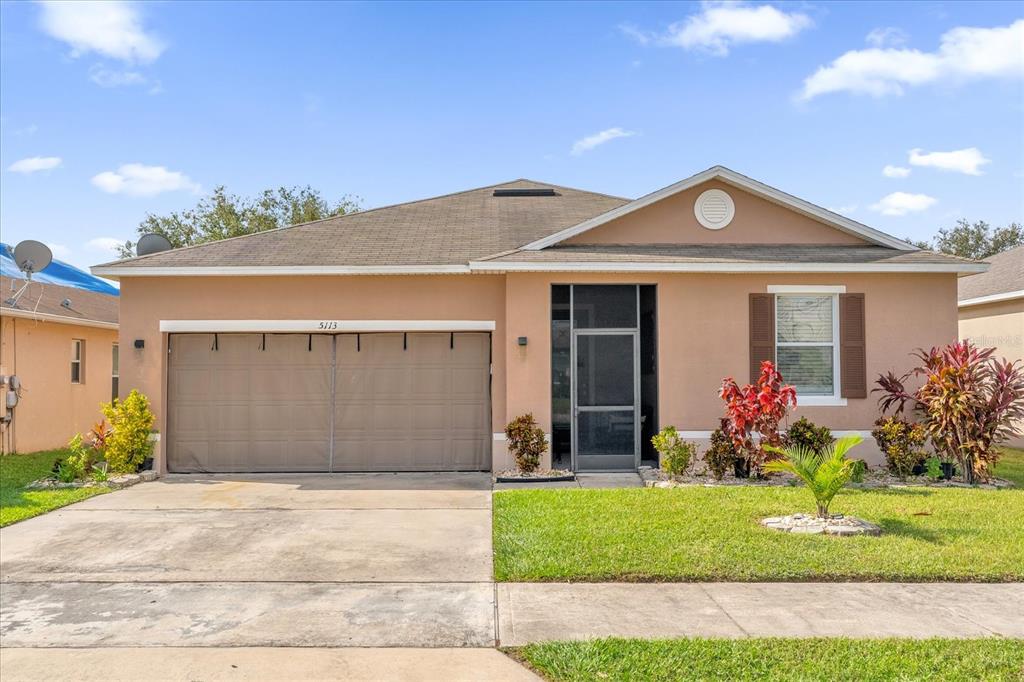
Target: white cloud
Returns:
[[902, 203], [591, 141], [138, 180], [34, 164], [968, 161], [104, 244], [888, 36], [60, 251], [113, 29], [895, 171], [965, 53], [640, 36], [721, 25], [113, 78]]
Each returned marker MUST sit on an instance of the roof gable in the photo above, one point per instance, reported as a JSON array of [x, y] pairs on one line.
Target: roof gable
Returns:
[[722, 177]]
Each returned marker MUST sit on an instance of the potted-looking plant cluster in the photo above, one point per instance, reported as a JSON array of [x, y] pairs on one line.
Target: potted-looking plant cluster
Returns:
[[527, 445]]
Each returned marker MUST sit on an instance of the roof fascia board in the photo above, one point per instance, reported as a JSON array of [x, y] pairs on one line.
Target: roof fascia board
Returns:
[[741, 181], [991, 298], [498, 266], [115, 272], [325, 326], [59, 319]]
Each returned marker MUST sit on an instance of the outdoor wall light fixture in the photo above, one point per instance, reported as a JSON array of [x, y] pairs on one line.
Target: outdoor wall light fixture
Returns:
[[140, 343], [522, 340]]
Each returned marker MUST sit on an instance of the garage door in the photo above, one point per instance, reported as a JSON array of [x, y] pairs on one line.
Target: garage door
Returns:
[[299, 402]]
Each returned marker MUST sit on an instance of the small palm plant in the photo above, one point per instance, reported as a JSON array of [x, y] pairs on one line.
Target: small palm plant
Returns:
[[824, 473]]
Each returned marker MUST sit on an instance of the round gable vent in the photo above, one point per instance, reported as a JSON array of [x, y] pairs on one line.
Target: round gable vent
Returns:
[[714, 209]]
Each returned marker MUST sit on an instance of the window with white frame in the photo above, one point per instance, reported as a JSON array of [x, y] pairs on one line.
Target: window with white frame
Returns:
[[77, 361], [806, 342]]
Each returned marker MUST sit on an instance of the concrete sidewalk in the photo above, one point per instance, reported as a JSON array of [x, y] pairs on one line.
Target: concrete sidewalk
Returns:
[[252, 664], [535, 612]]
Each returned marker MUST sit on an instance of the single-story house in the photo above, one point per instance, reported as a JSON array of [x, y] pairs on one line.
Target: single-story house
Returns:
[[992, 308], [58, 362], [405, 338]]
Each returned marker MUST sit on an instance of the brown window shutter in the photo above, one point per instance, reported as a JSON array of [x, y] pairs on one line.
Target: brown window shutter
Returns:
[[762, 332], [852, 354]]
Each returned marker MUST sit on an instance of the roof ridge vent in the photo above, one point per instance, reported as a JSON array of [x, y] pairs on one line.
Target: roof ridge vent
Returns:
[[525, 192]]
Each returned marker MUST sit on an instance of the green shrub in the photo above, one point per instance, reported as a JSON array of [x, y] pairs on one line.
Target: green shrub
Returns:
[[77, 462], [526, 442], [933, 468], [128, 443], [720, 454], [860, 468], [675, 453], [805, 433], [99, 472], [902, 442]]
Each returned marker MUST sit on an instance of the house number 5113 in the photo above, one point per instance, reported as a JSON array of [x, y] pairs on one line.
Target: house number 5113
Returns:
[[328, 324]]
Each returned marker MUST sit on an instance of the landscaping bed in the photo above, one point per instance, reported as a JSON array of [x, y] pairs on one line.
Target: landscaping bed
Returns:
[[714, 534], [776, 659], [536, 476], [18, 471], [872, 479]]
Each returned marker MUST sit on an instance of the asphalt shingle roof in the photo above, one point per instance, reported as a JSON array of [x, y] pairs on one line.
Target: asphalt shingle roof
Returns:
[[725, 253], [1005, 274], [451, 229], [46, 298]]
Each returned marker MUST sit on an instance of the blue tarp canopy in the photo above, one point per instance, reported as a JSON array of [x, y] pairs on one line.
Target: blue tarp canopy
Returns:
[[57, 272]]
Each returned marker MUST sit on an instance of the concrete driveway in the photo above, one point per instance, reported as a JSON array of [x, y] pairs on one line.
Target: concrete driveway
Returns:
[[388, 560]]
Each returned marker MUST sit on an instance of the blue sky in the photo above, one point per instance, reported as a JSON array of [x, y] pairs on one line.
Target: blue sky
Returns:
[[108, 112]]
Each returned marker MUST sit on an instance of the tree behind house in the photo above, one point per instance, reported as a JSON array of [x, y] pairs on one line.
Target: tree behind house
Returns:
[[977, 241], [222, 215]]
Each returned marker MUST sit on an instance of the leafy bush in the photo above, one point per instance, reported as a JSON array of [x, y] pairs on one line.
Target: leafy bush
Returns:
[[970, 403], [676, 453], [756, 408], [720, 454], [824, 473], [902, 442], [933, 468], [77, 462], [805, 433], [526, 442], [860, 468], [128, 441], [99, 472]]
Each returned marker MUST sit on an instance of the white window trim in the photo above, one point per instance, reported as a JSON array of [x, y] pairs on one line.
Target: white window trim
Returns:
[[836, 399], [78, 346]]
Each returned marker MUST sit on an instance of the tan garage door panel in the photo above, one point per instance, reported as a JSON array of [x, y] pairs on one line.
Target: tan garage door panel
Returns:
[[402, 402], [412, 402], [245, 402]]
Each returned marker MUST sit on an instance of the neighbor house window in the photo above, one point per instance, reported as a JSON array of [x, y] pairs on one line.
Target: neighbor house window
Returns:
[[77, 361], [806, 346], [115, 372]]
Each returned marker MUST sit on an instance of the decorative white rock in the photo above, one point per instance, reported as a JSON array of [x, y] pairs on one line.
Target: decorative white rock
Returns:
[[839, 525]]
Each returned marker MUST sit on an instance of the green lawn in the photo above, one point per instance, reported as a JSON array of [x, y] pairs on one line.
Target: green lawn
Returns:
[[777, 659], [711, 534], [16, 471], [1011, 466]]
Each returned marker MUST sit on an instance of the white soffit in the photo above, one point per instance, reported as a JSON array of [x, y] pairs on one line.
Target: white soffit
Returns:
[[325, 326], [742, 182]]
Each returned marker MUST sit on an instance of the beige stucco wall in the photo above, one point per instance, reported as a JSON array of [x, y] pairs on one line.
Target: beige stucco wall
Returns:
[[147, 300], [703, 336], [52, 409], [1000, 326], [702, 323], [671, 221]]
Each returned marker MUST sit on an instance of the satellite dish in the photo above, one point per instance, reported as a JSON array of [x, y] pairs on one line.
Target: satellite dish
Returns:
[[152, 243], [32, 256]]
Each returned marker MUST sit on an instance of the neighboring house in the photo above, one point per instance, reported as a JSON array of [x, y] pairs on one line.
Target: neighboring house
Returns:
[[405, 337], [60, 342], [992, 308]]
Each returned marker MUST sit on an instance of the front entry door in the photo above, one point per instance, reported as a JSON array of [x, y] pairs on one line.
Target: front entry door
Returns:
[[606, 400]]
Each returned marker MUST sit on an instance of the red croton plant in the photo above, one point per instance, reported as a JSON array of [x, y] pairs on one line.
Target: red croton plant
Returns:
[[756, 408], [969, 403]]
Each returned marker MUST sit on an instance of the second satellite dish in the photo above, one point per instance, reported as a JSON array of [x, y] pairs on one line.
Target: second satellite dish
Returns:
[[32, 256], [152, 243]]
